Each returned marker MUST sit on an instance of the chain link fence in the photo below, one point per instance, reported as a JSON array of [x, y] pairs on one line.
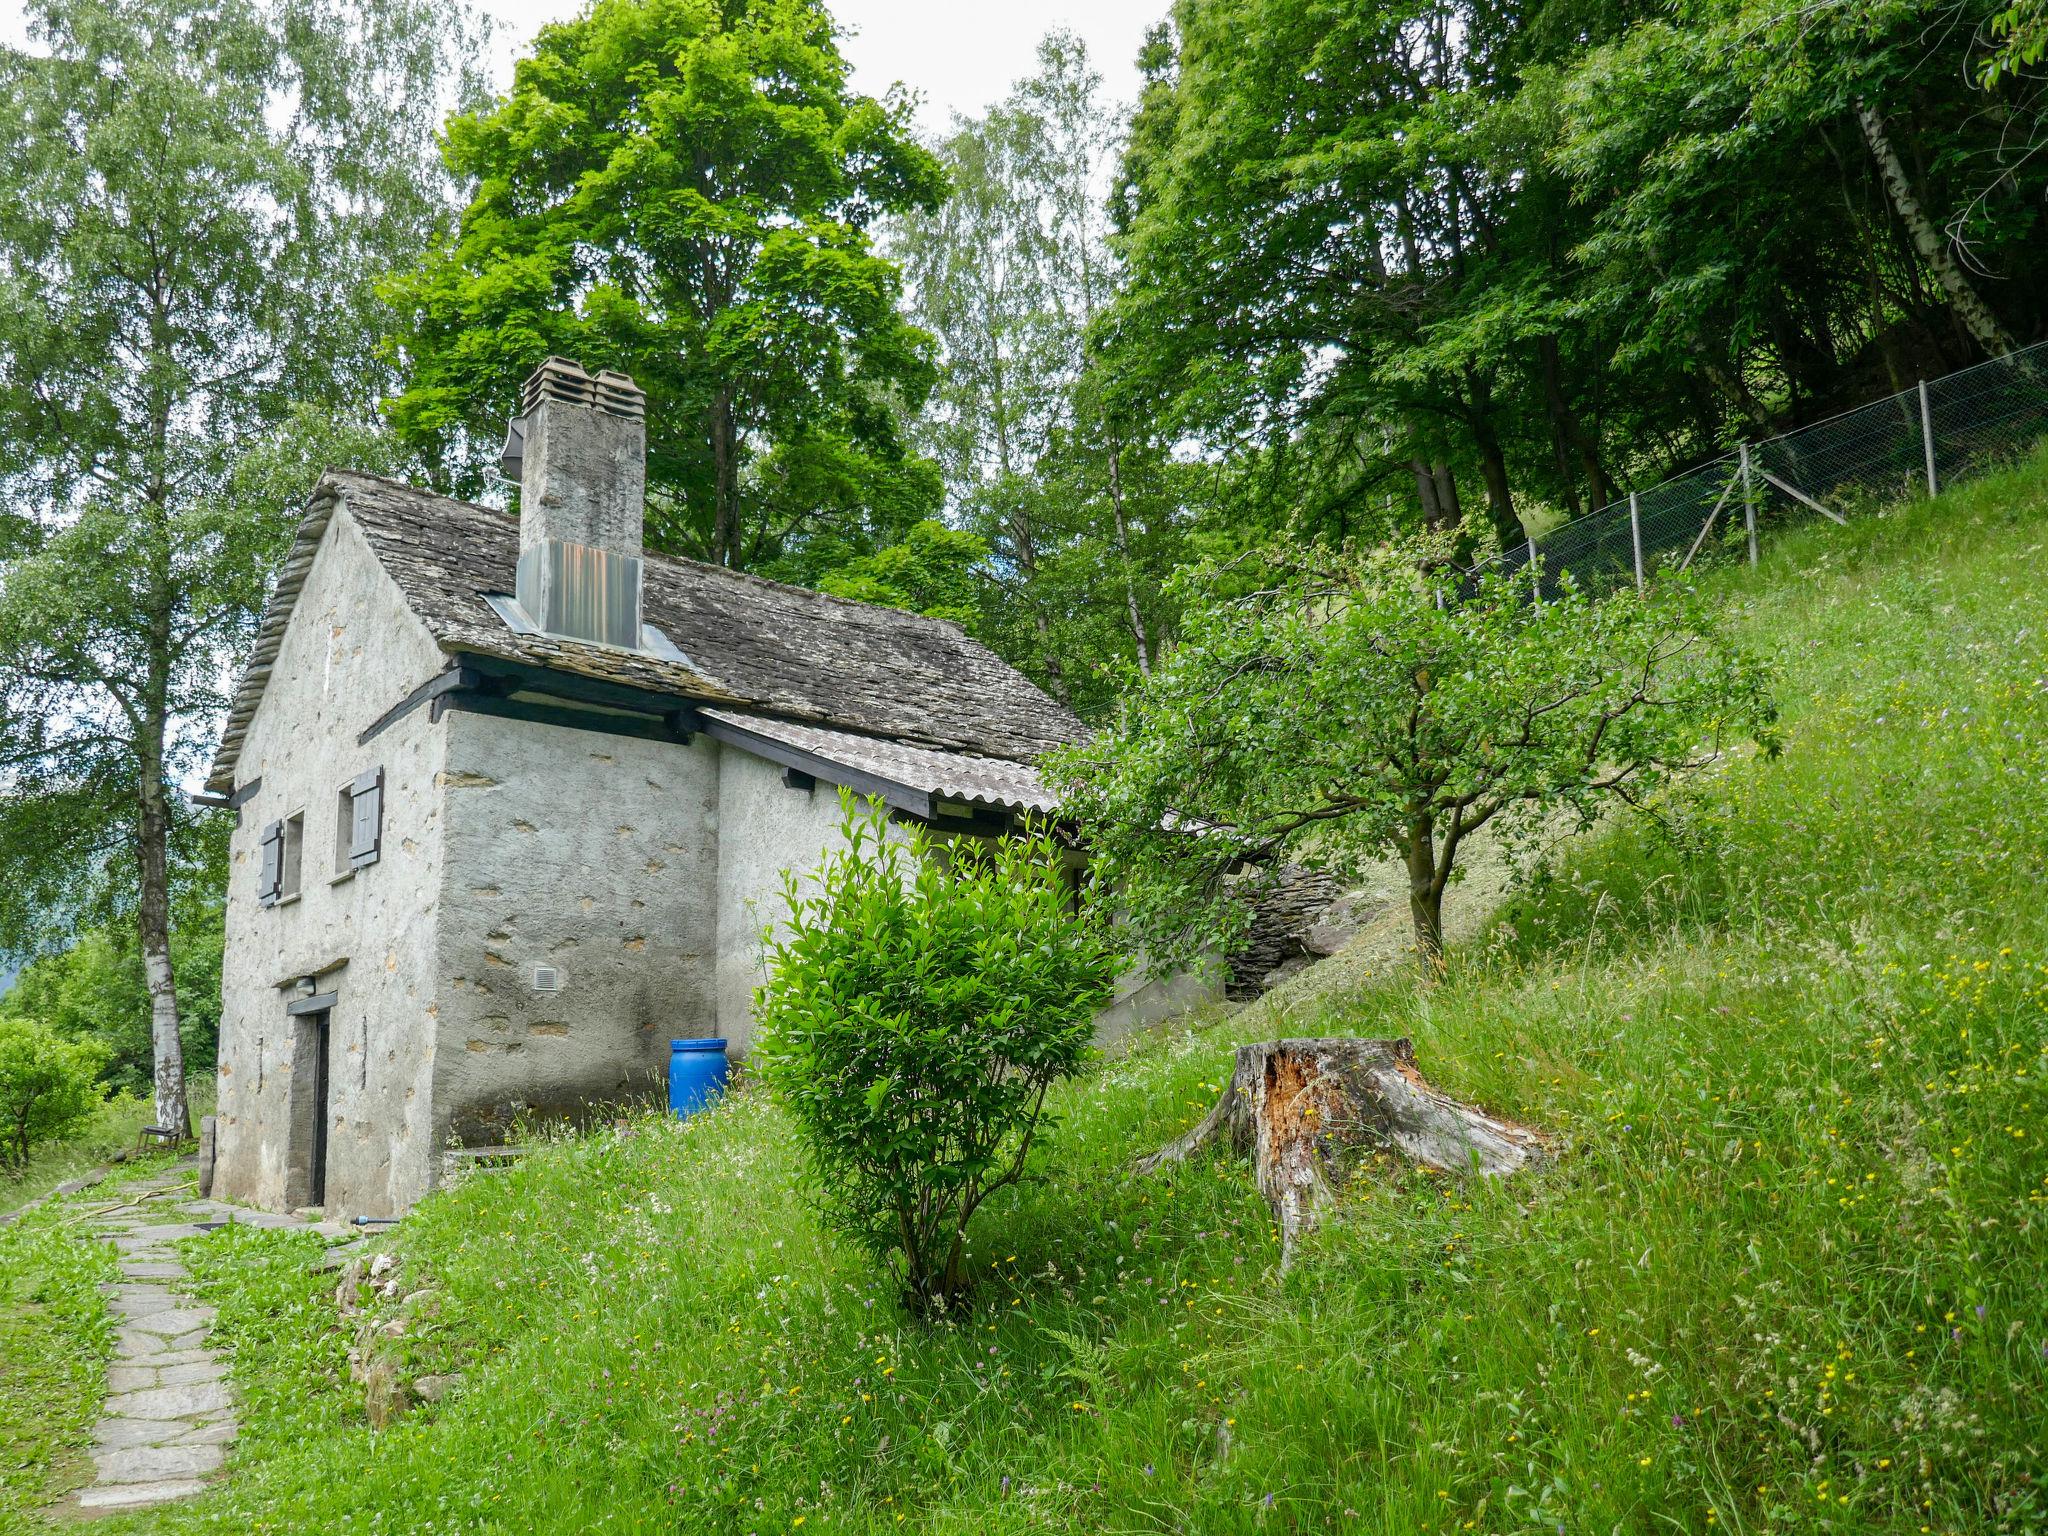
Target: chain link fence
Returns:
[[1917, 442]]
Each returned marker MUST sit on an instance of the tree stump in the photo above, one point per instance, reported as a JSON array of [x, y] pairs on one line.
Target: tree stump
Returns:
[[1308, 1111]]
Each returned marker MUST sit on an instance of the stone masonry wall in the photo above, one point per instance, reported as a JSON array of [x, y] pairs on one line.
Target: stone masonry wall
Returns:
[[764, 827], [351, 650], [593, 855]]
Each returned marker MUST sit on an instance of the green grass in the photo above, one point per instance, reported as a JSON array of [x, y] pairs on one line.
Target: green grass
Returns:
[[1787, 1275], [110, 1129], [55, 1337]]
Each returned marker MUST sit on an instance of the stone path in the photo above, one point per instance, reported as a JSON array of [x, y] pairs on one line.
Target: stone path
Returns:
[[169, 1415]]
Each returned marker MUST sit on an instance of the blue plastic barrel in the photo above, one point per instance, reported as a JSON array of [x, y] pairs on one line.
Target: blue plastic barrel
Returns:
[[696, 1075]]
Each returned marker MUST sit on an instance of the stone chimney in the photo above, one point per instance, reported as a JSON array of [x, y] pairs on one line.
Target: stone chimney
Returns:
[[580, 455]]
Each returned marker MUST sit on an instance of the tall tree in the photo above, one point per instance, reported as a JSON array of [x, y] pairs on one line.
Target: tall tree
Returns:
[[1394, 260], [194, 198], [684, 190], [1077, 505]]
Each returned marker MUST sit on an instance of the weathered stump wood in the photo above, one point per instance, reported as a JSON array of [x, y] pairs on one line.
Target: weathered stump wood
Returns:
[[1308, 1111]]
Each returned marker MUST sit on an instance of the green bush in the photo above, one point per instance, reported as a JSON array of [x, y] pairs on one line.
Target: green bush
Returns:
[[47, 1086], [923, 997]]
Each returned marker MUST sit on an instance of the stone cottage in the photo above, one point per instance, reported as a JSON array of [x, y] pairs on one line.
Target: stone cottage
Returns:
[[514, 800]]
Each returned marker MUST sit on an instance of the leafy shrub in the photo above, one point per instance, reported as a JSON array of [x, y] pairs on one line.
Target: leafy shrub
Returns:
[[47, 1086], [923, 997]]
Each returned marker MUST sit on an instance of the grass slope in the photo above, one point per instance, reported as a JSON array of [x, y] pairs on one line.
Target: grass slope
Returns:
[[55, 1339], [1787, 1276], [110, 1129]]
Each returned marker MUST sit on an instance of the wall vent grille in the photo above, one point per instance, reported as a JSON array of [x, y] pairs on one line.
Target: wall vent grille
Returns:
[[546, 979]]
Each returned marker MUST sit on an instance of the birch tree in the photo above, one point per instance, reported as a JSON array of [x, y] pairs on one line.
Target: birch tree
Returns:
[[194, 198], [1011, 274]]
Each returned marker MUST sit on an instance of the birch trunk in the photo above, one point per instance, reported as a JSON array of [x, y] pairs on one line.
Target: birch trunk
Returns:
[[1123, 544], [153, 929], [1968, 304]]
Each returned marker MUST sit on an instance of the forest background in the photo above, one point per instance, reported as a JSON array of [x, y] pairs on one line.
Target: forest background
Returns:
[[1343, 270]]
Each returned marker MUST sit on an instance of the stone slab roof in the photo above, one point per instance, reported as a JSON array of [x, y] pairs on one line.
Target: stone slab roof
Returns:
[[991, 782], [760, 645]]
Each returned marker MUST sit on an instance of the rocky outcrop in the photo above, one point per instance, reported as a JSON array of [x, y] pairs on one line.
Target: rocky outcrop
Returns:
[[388, 1314]]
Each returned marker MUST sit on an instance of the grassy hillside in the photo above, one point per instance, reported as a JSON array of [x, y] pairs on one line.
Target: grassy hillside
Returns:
[[1787, 1276]]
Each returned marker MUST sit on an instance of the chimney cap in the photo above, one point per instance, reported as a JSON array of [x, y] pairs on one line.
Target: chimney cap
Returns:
[[564, 379]]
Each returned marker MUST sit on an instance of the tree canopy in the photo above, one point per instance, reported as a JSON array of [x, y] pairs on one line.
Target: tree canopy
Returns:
[[1332, 709], [686, 191]]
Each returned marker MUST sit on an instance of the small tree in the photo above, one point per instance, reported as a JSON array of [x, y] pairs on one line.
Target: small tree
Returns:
[[47, 1085], [1341, 708], [923, 997]]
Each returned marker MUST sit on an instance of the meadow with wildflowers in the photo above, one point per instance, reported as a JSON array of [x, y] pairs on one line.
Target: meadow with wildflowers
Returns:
[[1790, 1272]]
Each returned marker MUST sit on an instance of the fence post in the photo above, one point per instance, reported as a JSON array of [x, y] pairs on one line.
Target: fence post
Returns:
[[1748, 505], [1536, 587], [1635, 538], [1927, 439]]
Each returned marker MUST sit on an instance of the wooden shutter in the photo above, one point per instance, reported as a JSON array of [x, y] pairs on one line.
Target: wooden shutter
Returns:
[[366, 824], [270, 871]]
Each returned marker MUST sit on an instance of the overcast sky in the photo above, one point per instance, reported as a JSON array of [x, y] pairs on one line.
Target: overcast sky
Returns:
[[958, 55]]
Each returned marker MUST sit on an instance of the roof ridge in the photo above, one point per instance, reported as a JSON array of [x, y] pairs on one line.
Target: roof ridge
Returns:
[[661, 557]]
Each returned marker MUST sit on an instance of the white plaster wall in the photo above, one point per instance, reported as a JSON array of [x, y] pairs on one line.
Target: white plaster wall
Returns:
[[351, 650], [1142, 1000], [764, 828], [592, 854]]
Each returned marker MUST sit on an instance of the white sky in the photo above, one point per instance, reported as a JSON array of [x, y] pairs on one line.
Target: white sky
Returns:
[[958, 55]]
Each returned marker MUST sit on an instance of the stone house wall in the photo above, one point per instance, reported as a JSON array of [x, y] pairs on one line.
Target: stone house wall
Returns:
[[350, 650], [764, 828], [593, 856]]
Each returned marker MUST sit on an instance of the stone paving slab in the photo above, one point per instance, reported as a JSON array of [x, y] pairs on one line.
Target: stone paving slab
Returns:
[[170, 1413], [223, 1433], [169, 1402], [136, 1298], [115, 1433], [171, 1357], [105, 1498], [191, 1373], [172, 1322], [156, 1463]]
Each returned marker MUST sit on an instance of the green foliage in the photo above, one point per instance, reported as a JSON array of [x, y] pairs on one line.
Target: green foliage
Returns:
[[48, 1085], [1082, 510], [96, 989], [684, 191], [936, 570], [2020, 40], [55, 1337], [194, 198], [1385, 261], [1351, 708], [1684, 1317], [922, 1000]]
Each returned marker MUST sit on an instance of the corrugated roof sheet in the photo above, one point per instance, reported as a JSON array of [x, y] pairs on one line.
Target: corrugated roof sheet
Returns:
[[990, 782], [757, 644]]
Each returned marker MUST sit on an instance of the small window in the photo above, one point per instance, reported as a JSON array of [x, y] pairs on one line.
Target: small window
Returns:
[[359, 824], [292, 855]]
